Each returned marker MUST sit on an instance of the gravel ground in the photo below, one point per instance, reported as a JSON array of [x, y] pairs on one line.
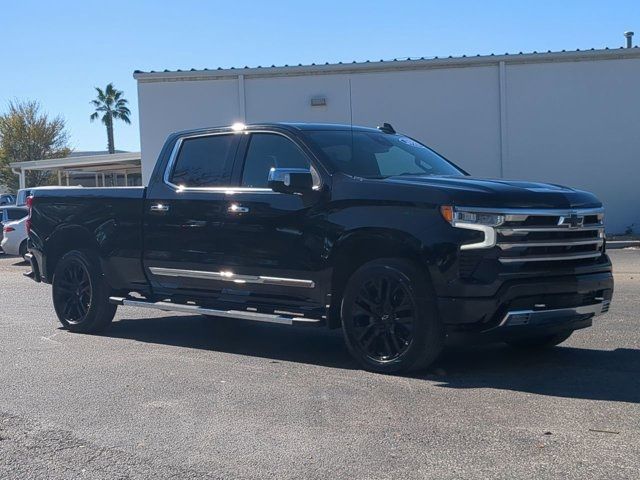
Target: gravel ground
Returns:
[[178, 396]]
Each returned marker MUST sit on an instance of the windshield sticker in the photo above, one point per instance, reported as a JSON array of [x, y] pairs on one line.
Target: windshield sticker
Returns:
[[411, 143]]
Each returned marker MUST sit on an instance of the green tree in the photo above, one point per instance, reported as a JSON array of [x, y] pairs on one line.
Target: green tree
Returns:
[[112, 106], [26, 134]]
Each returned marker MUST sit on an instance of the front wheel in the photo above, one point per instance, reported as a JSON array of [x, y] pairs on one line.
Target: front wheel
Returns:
[[389, 317], [81, 294]]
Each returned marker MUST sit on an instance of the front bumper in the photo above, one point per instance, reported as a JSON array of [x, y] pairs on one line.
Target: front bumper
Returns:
[[528, 307]]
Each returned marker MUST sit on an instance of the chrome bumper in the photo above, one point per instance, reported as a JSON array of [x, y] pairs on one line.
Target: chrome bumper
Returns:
[[532, 317]]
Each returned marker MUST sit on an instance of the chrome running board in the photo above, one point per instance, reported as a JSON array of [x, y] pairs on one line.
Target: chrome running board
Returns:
[[527, 317], [282, 319]]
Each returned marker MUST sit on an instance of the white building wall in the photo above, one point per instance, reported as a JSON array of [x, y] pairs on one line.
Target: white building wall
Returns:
[[167, 107], [570, 122], [578, 124], [455, 111], [288, 99]]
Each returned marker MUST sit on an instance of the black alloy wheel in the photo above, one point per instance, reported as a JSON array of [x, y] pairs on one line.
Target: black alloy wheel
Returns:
[[72, 290], [389, 317], [383, 317], [81, 293]]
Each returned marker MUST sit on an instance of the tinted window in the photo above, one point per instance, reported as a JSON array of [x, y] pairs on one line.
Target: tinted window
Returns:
[[373, 154], [16, 213], [204, 161], [266, 151]]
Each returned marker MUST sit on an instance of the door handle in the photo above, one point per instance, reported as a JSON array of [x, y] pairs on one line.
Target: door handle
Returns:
[[159, 208], [235, 208]]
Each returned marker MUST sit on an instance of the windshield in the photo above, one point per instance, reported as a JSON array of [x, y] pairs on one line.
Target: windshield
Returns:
[[379, 155]]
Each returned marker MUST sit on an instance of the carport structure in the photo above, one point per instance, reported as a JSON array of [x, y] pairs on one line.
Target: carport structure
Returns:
[[117, 169]]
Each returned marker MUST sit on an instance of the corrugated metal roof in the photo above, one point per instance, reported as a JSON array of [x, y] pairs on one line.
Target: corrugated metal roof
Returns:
[[403, 62], [79, 162]]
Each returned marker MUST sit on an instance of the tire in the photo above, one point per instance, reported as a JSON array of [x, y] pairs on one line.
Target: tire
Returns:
[[389, 317], [540, 342], [81, 294], [22, 251]]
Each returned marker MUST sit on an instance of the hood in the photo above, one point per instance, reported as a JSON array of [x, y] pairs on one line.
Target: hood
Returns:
[[485, 192]]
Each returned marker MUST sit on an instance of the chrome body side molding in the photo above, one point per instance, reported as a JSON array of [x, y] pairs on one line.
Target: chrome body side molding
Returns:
[[228, 276]]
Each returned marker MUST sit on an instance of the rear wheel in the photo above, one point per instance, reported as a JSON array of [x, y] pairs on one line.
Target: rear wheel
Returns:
[[540, 342], [81, 294], [389, 317]]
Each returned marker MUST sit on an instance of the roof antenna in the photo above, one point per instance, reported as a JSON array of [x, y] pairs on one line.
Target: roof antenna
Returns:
[[386, 128]]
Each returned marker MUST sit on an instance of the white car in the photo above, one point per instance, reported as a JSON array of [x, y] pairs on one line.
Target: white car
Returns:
[[14, 240]]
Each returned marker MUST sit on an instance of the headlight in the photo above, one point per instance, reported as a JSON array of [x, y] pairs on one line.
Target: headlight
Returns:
[[478, 218], [474, 219]]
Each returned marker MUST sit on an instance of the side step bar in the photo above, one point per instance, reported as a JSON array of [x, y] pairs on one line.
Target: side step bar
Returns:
[[239, 314]]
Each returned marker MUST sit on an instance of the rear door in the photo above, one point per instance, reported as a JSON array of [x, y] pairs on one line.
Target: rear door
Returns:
[[184, 214]]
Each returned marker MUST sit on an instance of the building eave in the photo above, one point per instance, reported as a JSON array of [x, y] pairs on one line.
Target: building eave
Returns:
[[391, 65], [132, 158]]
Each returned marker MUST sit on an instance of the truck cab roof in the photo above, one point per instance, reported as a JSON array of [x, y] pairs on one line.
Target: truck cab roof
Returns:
[[291, 126]]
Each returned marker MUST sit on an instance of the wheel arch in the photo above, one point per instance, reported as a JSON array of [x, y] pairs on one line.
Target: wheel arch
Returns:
[[65, 239], [358, 247]]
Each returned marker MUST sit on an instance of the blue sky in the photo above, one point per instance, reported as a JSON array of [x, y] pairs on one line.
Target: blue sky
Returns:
[[57, 51]]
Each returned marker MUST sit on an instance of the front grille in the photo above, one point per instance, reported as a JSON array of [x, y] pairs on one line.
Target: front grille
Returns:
[[550, 236]]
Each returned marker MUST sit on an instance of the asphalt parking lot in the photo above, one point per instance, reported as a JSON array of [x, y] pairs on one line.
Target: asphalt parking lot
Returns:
[[178, 396]]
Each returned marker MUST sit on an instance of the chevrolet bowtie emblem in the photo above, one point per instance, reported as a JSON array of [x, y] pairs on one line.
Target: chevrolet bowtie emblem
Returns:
[[572, 221]]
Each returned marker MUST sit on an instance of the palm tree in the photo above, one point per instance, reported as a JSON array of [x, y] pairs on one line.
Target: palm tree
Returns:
[[111, 105]]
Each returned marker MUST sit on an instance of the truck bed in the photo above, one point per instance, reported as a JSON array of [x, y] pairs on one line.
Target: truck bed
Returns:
[[109, 219]]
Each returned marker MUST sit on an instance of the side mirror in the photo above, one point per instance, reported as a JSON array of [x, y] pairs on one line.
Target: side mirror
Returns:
[[290, 180]]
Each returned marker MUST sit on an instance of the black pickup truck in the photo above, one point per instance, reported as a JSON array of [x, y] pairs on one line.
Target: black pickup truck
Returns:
[[328, 225]]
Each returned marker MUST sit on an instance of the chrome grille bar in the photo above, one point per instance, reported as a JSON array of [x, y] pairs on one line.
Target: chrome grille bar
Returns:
[[550, 235], [544, 243], [550, 258], [538, 235], [587, 228], [520, 235]]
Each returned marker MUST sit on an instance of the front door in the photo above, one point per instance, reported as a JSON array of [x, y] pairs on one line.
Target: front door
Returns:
[[275, 242]]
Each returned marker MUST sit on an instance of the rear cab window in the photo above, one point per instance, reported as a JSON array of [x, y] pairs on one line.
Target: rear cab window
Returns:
[[204, 161]]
